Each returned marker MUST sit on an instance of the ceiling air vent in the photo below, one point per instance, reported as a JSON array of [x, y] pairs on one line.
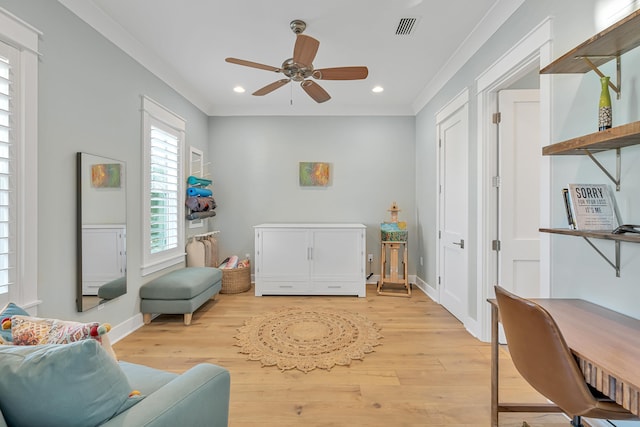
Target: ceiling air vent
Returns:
[[406, 26]]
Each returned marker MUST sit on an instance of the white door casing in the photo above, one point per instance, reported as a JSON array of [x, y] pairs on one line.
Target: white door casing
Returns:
[[519, 200], [533, 51], [453, 139]]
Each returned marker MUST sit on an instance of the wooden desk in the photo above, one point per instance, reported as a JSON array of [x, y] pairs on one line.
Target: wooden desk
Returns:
[[605, 343]]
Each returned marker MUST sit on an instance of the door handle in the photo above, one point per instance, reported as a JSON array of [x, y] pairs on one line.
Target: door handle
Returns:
[[460, 243]]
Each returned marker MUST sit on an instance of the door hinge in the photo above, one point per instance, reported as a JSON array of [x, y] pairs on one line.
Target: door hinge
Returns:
[[439, 143], [496, 181], [495, 245], [439, 234], [495, 118], [439, 280]]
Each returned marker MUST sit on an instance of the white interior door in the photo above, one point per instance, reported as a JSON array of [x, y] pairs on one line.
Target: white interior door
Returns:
[[519, 200], [453, 133]]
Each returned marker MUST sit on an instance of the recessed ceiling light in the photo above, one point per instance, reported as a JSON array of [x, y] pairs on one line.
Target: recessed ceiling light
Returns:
[[377, 89], [238, 89]]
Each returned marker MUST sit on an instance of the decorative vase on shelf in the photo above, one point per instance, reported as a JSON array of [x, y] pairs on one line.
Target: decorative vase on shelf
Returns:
[[604, 107]]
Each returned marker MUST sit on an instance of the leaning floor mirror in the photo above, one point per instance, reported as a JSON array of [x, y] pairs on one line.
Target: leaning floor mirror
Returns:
[[101, 230]]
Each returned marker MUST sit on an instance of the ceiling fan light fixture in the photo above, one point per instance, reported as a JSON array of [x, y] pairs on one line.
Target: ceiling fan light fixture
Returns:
[[239, 89], [377, 89]]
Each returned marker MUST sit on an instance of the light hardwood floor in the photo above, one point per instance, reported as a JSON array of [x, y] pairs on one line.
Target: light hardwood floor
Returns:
[[429, 371]]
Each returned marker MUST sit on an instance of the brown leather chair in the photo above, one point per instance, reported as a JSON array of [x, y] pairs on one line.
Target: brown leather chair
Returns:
[[543, 358]]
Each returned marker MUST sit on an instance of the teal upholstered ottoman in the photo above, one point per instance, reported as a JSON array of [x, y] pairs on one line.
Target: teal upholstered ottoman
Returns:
[[179, 292], [113, 289]]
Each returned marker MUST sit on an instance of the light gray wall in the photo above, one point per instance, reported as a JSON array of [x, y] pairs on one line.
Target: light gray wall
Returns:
[[89, 100], [577, 270], [255, 160]]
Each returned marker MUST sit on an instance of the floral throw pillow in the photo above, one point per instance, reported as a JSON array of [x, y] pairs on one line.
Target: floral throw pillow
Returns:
[[27, 330]]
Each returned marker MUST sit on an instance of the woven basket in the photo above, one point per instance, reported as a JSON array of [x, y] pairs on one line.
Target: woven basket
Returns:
[[236, 280]]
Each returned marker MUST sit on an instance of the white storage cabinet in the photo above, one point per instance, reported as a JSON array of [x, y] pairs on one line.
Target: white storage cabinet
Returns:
[[104, 256], [310, 259]]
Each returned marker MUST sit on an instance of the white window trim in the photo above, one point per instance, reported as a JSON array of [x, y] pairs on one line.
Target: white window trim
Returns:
[[24, 37], [153, 111]]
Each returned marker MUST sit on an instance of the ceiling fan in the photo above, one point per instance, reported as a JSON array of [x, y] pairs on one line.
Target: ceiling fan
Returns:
[[300, 67]]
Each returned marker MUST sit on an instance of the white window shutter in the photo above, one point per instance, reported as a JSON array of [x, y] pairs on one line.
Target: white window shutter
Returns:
[[7, 176], [163, 221]]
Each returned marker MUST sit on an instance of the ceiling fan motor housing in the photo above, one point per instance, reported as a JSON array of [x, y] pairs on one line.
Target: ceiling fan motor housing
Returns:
[[295, 71], [297, 26]]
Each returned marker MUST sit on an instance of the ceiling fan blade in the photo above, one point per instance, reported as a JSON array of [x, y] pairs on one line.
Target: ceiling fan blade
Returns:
[[252, 64], [271, 87], [341, 73], [315, 91], [305, 49]]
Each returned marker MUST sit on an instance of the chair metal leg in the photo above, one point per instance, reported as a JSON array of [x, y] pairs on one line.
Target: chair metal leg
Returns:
[[577, 421]]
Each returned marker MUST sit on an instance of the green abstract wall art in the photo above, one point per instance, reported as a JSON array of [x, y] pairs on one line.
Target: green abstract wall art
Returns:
[[314, 174], [106, 175]]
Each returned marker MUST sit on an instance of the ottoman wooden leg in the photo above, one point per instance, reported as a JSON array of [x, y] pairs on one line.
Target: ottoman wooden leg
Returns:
[[187, 318], [146, 318]]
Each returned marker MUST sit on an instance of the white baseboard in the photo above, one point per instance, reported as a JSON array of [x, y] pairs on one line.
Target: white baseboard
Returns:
[[430, 291], [125, 328], [373, 280]]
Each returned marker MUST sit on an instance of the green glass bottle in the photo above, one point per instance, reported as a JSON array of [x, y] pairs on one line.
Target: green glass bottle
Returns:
[[604, 107]]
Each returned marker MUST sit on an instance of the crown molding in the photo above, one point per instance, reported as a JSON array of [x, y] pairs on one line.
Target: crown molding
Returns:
[[87, 11], [490, 23]]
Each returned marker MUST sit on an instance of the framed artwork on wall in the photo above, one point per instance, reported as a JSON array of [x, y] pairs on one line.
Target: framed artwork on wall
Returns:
[[314, 174], [105, 175]]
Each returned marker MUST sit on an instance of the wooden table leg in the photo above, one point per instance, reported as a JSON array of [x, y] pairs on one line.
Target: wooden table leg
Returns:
[[383, 262], [494, 365]]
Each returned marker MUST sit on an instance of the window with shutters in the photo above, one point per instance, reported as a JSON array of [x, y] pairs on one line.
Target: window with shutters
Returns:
[[18, 161], [163, 213], [7, 165]]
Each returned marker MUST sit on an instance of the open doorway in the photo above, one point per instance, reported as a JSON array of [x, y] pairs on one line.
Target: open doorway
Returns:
[[505, 155]]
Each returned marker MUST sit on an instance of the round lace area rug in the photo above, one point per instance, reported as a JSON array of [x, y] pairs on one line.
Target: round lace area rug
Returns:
[[305, 339]]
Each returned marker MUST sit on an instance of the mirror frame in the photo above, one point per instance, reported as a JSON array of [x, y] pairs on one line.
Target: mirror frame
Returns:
[[196, 168], [80, 226]]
